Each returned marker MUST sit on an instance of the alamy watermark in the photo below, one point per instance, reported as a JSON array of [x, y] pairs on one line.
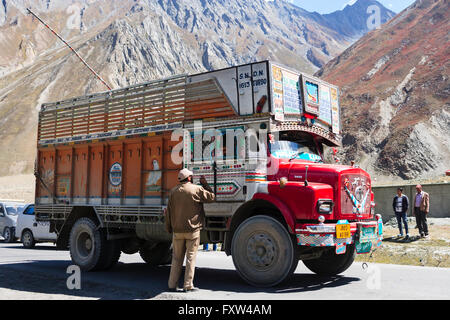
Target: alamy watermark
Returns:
[[74, 280], [373, 282], [374, 20], [231, 144]]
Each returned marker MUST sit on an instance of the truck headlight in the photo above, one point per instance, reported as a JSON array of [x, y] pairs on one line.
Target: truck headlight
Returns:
[[325, 206]]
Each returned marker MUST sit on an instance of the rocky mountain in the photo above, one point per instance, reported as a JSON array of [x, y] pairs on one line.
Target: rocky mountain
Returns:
[[396, 94], [132, 41], [352, 21]]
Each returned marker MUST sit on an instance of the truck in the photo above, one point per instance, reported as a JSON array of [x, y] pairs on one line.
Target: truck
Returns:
[[257, 132]]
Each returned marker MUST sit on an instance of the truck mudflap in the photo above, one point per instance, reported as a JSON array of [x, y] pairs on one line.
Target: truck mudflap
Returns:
[[370, 235], [365, 235]]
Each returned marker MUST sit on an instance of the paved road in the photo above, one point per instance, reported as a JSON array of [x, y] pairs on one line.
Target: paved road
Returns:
[[40, 273]]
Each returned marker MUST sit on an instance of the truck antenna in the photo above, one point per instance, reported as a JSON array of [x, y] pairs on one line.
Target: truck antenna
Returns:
[[70, 47]]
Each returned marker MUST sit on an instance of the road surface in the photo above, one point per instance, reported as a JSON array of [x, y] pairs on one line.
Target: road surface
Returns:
[[41, 273]]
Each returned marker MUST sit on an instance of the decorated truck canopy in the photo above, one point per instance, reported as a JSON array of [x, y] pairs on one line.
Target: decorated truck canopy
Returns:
[[293, 100], [289, 93]]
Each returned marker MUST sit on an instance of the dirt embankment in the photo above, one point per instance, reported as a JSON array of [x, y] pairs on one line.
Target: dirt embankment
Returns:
[[19, 187]]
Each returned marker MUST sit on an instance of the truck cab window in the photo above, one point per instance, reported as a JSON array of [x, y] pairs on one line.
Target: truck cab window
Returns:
[[303, 149]]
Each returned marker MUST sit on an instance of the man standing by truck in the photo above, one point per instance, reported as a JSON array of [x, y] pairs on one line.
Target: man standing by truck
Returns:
[[185, 218]]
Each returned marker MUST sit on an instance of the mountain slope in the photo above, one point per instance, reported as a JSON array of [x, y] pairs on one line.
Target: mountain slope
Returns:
[[396, 94], [130, 41], [350, 21]]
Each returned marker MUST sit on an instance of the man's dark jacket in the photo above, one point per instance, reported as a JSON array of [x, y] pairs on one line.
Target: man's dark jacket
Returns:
[[405, 204]]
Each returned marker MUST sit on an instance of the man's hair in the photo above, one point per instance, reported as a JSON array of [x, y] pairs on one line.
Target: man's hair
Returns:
[[401, 189]]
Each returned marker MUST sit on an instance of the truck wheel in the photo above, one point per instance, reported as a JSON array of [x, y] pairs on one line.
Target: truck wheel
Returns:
[[130, 245], [112, 255], [28, 239], [8, 235], [157, 254], [89, 248], [263, 251], [330, 263]]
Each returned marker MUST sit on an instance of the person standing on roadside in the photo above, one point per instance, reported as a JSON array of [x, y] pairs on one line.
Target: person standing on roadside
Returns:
[[185, 218], [400, 206], [421, 209]]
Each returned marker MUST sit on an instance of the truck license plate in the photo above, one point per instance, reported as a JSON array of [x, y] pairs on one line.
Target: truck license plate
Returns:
[[343, 231]]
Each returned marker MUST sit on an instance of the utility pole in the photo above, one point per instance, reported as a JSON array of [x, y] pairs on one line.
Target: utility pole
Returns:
[[70, 47]]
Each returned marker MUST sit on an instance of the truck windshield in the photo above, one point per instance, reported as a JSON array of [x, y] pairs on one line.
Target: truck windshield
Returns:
[[284, 149]]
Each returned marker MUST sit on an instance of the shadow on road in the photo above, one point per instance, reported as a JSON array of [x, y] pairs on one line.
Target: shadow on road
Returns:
[[229, 280], [140, 281], [37, 247]]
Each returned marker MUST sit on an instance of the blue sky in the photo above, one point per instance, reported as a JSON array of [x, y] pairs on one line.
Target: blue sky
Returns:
[[327, 6]]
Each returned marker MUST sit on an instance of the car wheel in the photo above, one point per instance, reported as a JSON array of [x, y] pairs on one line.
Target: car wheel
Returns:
[[28, 240], [7, 235]]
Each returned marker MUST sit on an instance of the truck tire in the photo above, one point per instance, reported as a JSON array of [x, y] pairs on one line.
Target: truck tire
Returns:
[[8, 235], [89, 248], [112, 255], [330, 263], [130, 245], [157, 254], [28, 240], [263, 251]]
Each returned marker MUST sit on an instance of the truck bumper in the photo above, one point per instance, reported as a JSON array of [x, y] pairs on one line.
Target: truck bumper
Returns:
[[365, 235]]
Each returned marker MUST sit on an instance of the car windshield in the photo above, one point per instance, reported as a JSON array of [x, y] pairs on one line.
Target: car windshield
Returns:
[[293, 150], [14, 210]]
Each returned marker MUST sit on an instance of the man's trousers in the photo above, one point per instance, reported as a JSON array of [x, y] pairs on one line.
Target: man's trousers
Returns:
[[184, 244]]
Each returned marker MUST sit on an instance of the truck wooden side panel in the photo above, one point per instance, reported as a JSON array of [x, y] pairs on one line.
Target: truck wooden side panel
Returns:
[[128, 171]]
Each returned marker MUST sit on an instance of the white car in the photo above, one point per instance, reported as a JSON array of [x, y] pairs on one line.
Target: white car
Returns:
[[9, 211], [31, 231]]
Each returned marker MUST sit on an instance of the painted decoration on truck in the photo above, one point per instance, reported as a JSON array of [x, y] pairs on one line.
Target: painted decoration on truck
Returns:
[[227, 188], [277, 76], [259, 84], [312, 92], [325, 104], [291, 93], [335, 110], [153, 181], [115, 180], [62, 187], [245, 90], [115, 174], [311, 99]]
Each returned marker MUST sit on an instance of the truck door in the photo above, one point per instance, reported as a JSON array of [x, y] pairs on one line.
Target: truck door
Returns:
[[28, 221]]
